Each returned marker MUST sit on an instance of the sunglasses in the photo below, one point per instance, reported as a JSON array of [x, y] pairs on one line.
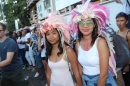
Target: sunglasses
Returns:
[[89, 23], [1, 31]]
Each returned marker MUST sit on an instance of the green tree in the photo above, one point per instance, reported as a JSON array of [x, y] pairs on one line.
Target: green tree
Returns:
[[16, 9]]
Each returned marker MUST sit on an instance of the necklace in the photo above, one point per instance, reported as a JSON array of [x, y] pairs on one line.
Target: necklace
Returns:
[[87, 44]]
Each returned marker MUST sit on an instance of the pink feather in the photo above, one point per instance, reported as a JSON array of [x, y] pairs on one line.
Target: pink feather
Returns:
[[58, 22]]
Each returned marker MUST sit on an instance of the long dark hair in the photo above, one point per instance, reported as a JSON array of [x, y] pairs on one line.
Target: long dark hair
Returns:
[[49, 46], [35, 28], [20, 34], [94, 32]]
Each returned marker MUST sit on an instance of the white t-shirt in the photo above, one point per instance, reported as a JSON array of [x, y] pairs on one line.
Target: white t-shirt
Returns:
[[28, 35], [44, 49], [43, 52], [21, 46]]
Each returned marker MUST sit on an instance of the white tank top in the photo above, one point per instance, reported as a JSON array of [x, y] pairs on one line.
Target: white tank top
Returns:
[[89, 60]]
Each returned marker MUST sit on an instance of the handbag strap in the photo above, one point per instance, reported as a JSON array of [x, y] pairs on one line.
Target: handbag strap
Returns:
[[127, 39], [68, 63]]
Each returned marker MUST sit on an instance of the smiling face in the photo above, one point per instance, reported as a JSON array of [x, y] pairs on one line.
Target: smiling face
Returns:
[[86, 26], [52, 36]]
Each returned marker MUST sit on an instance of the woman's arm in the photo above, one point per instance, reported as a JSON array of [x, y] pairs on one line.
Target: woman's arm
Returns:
[[74, 63], [30, 42], [25, 42], [79, 65], [48, 75], [103, 51]]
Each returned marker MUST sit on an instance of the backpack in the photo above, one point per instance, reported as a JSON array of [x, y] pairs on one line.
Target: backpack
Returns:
[[122, 52]]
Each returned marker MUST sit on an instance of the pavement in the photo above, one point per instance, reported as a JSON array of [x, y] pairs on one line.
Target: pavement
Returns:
[[33, 81]]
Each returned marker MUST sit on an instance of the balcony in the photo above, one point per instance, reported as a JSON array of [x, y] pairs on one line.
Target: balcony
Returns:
[[31, 3]]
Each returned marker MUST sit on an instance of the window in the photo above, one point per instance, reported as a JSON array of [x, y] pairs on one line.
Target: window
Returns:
[[46, 4], [39, 8]]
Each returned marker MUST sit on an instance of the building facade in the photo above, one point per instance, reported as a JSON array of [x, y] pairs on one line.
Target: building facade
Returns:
[[40, 9]]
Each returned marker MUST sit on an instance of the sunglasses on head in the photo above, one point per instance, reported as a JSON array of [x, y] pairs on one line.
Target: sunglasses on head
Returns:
[[89, 23]]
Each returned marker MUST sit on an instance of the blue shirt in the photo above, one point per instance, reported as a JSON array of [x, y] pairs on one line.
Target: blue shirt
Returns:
[[34, 46], [9, 45]]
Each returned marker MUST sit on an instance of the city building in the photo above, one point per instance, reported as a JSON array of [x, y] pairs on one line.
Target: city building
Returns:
[[40, 9]]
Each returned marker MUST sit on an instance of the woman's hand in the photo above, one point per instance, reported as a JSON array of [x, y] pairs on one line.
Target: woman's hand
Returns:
[[39, 49]]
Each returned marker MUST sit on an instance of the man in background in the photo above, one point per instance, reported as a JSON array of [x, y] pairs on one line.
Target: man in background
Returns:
[[10, 63], [124, 32], [126, 9]]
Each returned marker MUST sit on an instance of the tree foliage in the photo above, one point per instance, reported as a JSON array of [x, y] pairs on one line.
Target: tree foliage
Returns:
[[15, 11]]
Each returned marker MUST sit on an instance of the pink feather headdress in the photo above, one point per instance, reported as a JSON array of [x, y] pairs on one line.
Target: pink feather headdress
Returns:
[[84, 11], [55, 21], [101, 14]]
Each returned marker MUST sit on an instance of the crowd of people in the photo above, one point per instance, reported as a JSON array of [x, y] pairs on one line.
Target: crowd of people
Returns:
[[53, 51], [27, 41]]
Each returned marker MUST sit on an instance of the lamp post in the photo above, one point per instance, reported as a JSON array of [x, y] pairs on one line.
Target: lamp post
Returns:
[[2, 11]]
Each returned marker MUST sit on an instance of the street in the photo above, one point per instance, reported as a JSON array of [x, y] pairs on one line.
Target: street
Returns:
[[33, 81]]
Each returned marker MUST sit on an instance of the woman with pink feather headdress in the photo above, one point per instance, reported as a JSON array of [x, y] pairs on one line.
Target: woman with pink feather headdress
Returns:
[[94, 51], [55, 31]]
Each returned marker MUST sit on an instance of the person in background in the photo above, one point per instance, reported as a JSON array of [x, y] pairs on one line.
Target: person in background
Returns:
[[37, 54], [19, 34], [15, 36], [28, 48], [9, 34], [124, 31], [21, 45], [126, 9], [42, 49], [10, 63]]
